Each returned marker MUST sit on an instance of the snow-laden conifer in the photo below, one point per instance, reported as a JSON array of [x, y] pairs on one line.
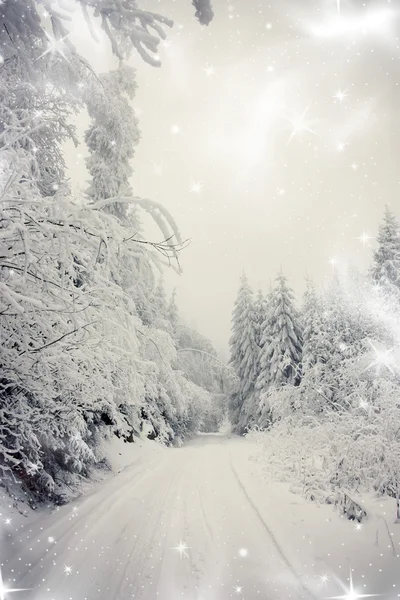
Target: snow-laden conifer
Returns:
[[283, 343], [385, 270], [243, 341]]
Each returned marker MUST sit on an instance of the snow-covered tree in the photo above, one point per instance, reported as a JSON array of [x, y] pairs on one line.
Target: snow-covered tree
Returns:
[[315, 342], [348, 316], [111, 138], [204, 12], [385, 270], [260, 310], [73, 271], [172, 311], [160, 298], [282, 355], [243, 341], [244, 355], [265, 333]]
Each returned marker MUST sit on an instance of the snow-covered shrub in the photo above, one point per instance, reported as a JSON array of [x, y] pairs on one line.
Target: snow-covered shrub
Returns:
[[349, 441]]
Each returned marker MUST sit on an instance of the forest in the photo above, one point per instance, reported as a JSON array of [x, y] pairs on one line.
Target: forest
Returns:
[[136, 460], [91, 345], [319, 387]]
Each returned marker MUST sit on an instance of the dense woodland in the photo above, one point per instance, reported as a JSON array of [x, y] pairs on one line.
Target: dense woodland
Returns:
[[323, 381], [91, 346]]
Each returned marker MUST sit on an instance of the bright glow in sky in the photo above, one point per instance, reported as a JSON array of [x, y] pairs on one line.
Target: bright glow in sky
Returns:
[[375, 22], [285, 113]]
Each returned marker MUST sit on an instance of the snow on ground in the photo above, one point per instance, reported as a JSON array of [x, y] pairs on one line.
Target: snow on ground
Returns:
[[320, 542], [199, 522]]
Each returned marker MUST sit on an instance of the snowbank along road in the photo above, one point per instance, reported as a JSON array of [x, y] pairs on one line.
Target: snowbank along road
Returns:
[[181, 525]]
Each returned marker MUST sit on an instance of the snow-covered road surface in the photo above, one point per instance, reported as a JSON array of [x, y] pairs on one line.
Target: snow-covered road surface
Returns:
[[181, 525], [198, 523]]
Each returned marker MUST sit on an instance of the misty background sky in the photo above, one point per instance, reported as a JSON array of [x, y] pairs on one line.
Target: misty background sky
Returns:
[[272, 136]]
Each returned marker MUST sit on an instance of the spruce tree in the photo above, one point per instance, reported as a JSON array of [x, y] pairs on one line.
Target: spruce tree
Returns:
[[264, 342], [160, 299], [386, 266], [172, 311], [282, 356], [315, 343], [260, 307], [243, 342]]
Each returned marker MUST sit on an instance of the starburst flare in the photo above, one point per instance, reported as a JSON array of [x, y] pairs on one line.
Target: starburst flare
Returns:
[[4, 591], [182, 549]]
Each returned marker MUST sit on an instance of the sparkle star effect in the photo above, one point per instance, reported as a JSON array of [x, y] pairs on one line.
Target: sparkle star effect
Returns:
[[333, 262], [238, 589], [209, 70], [55, 46], [364, 238], [32, 468], [351, 594], [4, 591], [300, 125], [182, 548], [196, 188], [340, 96], [383, 358], [67, 570], [324, 579]]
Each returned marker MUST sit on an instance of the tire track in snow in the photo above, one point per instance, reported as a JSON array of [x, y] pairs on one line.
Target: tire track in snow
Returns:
[[65, 528], [68, 524], [270, 534], [143, 554], [207, 524]]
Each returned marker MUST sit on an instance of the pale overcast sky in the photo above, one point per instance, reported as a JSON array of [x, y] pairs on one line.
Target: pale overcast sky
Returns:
[[272, 136]]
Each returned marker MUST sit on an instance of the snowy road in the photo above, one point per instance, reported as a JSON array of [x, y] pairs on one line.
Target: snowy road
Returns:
[[181, 525]]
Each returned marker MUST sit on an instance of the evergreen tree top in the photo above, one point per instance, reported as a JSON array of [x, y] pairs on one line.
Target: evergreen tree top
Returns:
[[386, 266]]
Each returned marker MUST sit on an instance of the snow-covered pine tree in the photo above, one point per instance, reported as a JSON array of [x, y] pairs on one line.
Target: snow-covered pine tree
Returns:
[[260, 309], [385, 270], [250, 409], [347, 319], [243, 344], [284, 351], [315, 342], [172, 312], [345, 323], [160, 298], [264, 339]]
